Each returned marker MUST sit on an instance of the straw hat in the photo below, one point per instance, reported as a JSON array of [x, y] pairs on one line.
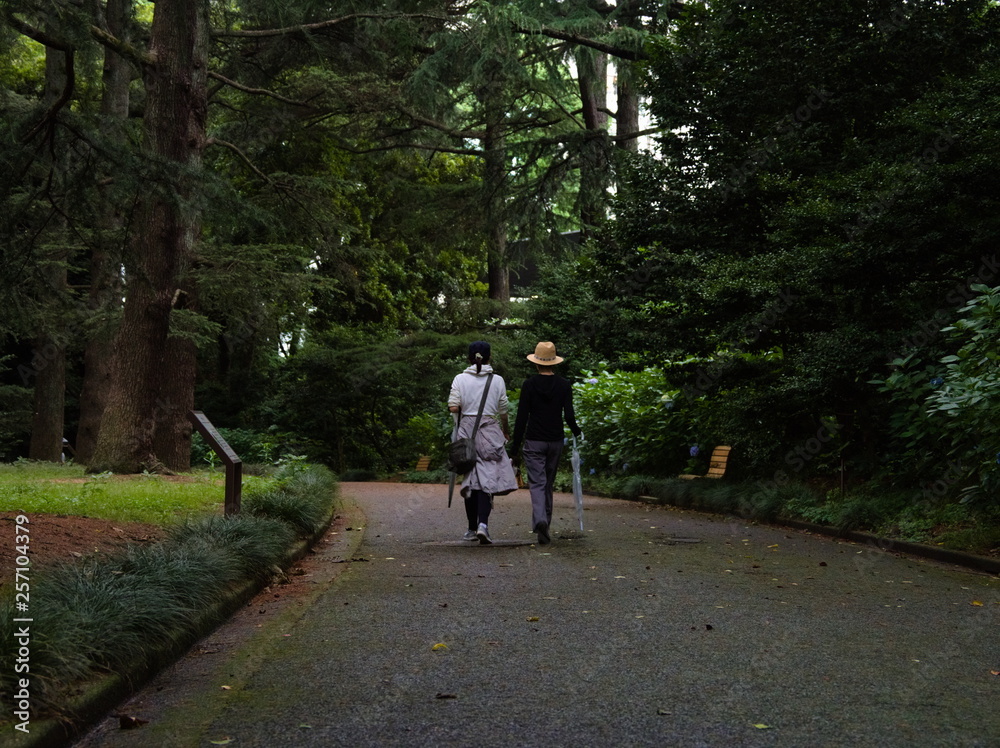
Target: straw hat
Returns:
[[545, 355]]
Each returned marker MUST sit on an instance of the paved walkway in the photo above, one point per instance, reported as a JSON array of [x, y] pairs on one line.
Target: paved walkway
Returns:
[[652, 627]]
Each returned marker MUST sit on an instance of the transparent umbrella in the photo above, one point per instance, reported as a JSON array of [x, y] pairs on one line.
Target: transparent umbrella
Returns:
[[577, 484]]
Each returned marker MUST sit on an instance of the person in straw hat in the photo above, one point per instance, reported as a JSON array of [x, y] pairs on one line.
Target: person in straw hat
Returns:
[[546, 401]]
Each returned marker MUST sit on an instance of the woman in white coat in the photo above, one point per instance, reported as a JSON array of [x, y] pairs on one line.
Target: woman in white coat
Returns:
[[493, 473]]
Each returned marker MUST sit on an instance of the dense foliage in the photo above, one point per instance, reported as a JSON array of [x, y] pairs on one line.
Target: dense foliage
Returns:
[[807, 245]]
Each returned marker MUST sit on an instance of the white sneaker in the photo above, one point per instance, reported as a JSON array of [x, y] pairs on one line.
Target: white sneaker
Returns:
[[470, 535], [483, 534]]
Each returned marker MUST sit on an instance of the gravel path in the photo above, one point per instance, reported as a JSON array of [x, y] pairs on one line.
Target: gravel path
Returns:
[[652, 627]]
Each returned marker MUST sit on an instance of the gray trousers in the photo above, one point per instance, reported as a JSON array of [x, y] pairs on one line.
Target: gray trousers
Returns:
[[541, 459]]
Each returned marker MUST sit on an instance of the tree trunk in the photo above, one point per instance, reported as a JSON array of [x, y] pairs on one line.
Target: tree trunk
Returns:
[[592, 70], [172, 439], [494, 197], [49, 360], [105, 286], [627, 117], [144, 377], [49, 366], [627, 120]]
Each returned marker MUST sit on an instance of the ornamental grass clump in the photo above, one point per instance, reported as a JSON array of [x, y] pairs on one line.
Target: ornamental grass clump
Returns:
[[299, 494], [112, 613], [255, 542]]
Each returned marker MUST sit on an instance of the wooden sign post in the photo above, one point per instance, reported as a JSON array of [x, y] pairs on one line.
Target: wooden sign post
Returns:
[[234, 465]]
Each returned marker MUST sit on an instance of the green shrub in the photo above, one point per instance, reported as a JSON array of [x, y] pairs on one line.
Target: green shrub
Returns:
[[255, 540], [252, 447], [946, 412], [632, 421], [299, 494]]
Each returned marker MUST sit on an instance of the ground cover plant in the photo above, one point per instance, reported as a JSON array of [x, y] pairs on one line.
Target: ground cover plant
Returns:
[[54, 488], [129, 610]]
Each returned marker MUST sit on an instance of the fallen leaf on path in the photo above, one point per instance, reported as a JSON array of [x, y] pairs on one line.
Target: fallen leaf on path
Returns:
[[994, 672], [226, 688], [977, 603], [762, 726], [666, 712], [445, 696], [126, 722], [438, 646], [224, 741], [531, 618]]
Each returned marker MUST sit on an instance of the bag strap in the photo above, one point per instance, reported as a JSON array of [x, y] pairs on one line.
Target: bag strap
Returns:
[[482, 404]]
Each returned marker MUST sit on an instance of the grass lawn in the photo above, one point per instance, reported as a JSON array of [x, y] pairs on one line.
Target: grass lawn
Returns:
[[50, 488]]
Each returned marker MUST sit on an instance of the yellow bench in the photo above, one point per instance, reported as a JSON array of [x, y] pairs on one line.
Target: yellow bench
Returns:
[[716, 465], [423, 464]]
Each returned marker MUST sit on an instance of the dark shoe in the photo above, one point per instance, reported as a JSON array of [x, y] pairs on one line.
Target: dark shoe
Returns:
[[542, 529]]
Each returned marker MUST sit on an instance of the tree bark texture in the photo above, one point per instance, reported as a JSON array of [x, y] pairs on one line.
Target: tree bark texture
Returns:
[[592, 70], [49, 360], [105, 287], [627, 120], [143, 391], [627, 116], [495, 194], [47, 420]]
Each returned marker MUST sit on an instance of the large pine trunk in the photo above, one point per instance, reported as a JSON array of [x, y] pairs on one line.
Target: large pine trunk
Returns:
[[145, 379], [105, 287], [627, 117], [49, 360], [592, 70], [494, 196]]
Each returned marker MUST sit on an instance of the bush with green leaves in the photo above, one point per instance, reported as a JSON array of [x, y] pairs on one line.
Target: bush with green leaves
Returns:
[[632, 421], [946, 414], [252, 447]]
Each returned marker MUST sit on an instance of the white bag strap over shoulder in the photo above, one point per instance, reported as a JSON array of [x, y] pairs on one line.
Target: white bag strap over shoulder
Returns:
[[482, 404]]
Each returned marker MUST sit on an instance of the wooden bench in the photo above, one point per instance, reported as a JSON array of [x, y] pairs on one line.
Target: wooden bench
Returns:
[[716, 465], [423, 464]]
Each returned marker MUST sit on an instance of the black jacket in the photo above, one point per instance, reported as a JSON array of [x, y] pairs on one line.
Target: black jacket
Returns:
[[546, 399]]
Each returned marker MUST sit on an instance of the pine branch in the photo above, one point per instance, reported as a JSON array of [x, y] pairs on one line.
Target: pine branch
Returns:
[[441, 127], [26, 29], [583, 41], [235, 149], [634, 135], [258, 91], [319, 26], [138, 57]]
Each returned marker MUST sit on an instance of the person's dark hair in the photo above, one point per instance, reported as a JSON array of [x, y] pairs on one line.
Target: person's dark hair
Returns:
[[479, 354]]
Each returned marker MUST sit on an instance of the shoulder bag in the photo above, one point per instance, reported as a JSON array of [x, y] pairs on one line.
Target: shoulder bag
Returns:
[[462, 452]]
